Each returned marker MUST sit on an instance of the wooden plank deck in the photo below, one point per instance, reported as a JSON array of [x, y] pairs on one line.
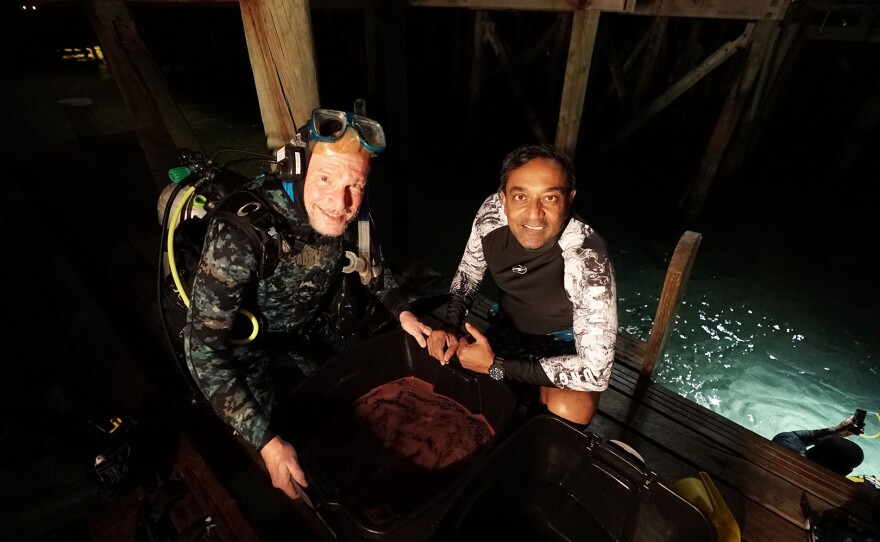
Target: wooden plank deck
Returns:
[[85, 253], [763, 484]]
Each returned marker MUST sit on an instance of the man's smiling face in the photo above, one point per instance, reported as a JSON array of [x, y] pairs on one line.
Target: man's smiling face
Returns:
[[334, 190], [536, 202]]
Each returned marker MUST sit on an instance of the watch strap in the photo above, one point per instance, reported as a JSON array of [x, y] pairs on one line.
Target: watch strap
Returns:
[[496, 369]]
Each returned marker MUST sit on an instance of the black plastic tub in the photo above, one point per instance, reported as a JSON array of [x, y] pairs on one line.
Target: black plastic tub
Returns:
[[549, 481], [348, 485]]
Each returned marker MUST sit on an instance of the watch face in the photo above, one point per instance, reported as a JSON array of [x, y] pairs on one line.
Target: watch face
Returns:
[[496, 372]]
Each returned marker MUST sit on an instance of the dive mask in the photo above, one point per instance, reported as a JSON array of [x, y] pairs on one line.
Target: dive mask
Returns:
[[329, 125]]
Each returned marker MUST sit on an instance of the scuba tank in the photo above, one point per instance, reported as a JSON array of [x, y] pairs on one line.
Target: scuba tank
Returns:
[[194, 207]]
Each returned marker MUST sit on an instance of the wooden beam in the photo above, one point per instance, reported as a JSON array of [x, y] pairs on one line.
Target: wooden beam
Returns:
[[558, 51], [527, 5], [282, 53], [650, 65], [710, 9], [677, 275], [690, 79], [824, 5], [690, 51], [539, 49], [857, 34], [159, 124], [749, 129], [584, 30], [554, 33], [617, 75], [272, 111], [764, 76], [512, 76], [737, 147], [715, 9], [737, 98], [630, 61], [476, 80], [781, 66], [790, 35], [859, 133]]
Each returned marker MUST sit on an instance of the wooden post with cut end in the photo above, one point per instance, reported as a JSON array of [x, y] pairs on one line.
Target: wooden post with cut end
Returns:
[[584, 29], [282, 54], [670, 297]]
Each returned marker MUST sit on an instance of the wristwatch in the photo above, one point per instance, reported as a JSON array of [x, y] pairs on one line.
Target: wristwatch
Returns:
[[496, 370]]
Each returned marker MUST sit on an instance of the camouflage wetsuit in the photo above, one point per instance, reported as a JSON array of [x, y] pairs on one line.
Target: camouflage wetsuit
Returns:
[[237, 380], [558, 302]]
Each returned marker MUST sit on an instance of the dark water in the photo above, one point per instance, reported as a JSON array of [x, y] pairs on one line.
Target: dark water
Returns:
[[779, 326]]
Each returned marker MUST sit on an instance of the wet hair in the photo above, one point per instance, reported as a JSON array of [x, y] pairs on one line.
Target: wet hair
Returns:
[[837, 453], [524, 154]]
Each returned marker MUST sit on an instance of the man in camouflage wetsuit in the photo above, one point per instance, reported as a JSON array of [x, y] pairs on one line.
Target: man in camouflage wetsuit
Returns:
[[557, 327], [237, 379]]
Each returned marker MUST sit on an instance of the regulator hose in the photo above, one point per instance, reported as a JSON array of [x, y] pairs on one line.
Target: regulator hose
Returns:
[[877, 434], [172, 225]]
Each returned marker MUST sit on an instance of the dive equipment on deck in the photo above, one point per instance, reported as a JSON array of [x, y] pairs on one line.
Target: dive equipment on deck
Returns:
[[703, 494]]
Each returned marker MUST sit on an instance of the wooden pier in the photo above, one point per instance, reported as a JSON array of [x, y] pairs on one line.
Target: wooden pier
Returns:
[[81, 232], [84, 281]]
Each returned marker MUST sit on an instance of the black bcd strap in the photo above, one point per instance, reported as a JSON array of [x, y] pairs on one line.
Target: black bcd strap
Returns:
[[264, 226]]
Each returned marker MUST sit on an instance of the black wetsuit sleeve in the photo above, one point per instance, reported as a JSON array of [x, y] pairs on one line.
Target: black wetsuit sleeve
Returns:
[[456, 310], [810, 436], [385, 286], [527, 372], [799, 441], [395, 302]]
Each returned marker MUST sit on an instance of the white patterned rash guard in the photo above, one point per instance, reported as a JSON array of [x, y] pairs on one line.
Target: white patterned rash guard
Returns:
[[567, 283]]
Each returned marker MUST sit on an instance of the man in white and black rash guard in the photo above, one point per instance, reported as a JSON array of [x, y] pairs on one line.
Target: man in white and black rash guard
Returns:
[[557, 295]]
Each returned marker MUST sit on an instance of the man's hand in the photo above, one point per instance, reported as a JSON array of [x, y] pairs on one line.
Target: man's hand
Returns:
[[477, 355], [442, 345], [283, 465], [847, 428], [412, 325]]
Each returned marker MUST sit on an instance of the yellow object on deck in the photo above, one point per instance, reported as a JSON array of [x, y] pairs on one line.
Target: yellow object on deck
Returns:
[[702, 493]]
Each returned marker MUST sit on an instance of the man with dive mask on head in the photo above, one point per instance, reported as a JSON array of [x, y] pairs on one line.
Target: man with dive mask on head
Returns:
[[237, 376]]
